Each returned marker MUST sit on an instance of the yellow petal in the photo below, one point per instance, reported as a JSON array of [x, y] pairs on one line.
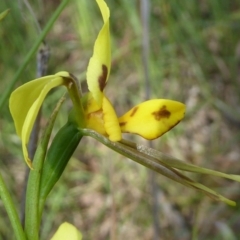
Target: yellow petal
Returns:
[[89, 104], [25, 103], [111, 123], [99, 64], [67, 231], [93, 114], [101, 119], [152, 118]]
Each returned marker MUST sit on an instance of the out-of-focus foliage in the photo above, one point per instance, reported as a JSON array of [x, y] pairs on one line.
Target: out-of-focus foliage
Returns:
[[194, 58]]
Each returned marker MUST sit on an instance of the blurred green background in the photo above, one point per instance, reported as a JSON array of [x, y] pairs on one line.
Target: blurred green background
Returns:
[[194, 58]]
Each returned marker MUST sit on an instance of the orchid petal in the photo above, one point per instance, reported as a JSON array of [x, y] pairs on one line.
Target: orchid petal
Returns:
[[89, 104], [67, 231], [101, 119], [111, 123], [152, 118], [94, 114], [99, 64], [25, 103]]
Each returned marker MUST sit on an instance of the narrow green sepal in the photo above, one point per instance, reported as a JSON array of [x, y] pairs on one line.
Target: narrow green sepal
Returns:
[[63, 146], [155, 160]]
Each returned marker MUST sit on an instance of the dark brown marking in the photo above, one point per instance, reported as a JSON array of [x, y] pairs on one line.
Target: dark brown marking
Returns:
[[162, 113], [102, 79], [133, 111], [122, 124]]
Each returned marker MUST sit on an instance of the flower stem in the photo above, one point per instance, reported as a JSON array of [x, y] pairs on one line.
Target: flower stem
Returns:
[[11, 210], [32, 220], [32, 216]]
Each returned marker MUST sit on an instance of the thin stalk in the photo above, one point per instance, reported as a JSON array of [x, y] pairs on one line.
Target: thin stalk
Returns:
[[145, 13], [11, 211], [32, 216], [129, 150], [133, 151], [32, 52], [42, 60], [32, 220]]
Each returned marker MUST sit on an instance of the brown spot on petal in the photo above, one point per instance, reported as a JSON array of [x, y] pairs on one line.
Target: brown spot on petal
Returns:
[[133, 111], [121, 124], [102, 79], [162, 113]]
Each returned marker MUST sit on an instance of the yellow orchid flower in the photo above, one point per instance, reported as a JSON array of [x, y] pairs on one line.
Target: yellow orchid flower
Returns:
[[67, 231], [150, 119], [94, 111]]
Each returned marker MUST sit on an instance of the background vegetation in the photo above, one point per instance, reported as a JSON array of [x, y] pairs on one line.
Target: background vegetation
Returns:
[[194, 58]]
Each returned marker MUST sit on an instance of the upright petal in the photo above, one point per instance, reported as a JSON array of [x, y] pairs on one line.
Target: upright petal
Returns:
[[25, 103], [101, 119], [152, 118], [111, 123], [99, 64], [93, 114]]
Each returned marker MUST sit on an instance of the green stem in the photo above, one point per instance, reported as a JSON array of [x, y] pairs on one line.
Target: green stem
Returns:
[[75, 94], [32, 216], [11, 210], [30, 54], [32, 220]]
